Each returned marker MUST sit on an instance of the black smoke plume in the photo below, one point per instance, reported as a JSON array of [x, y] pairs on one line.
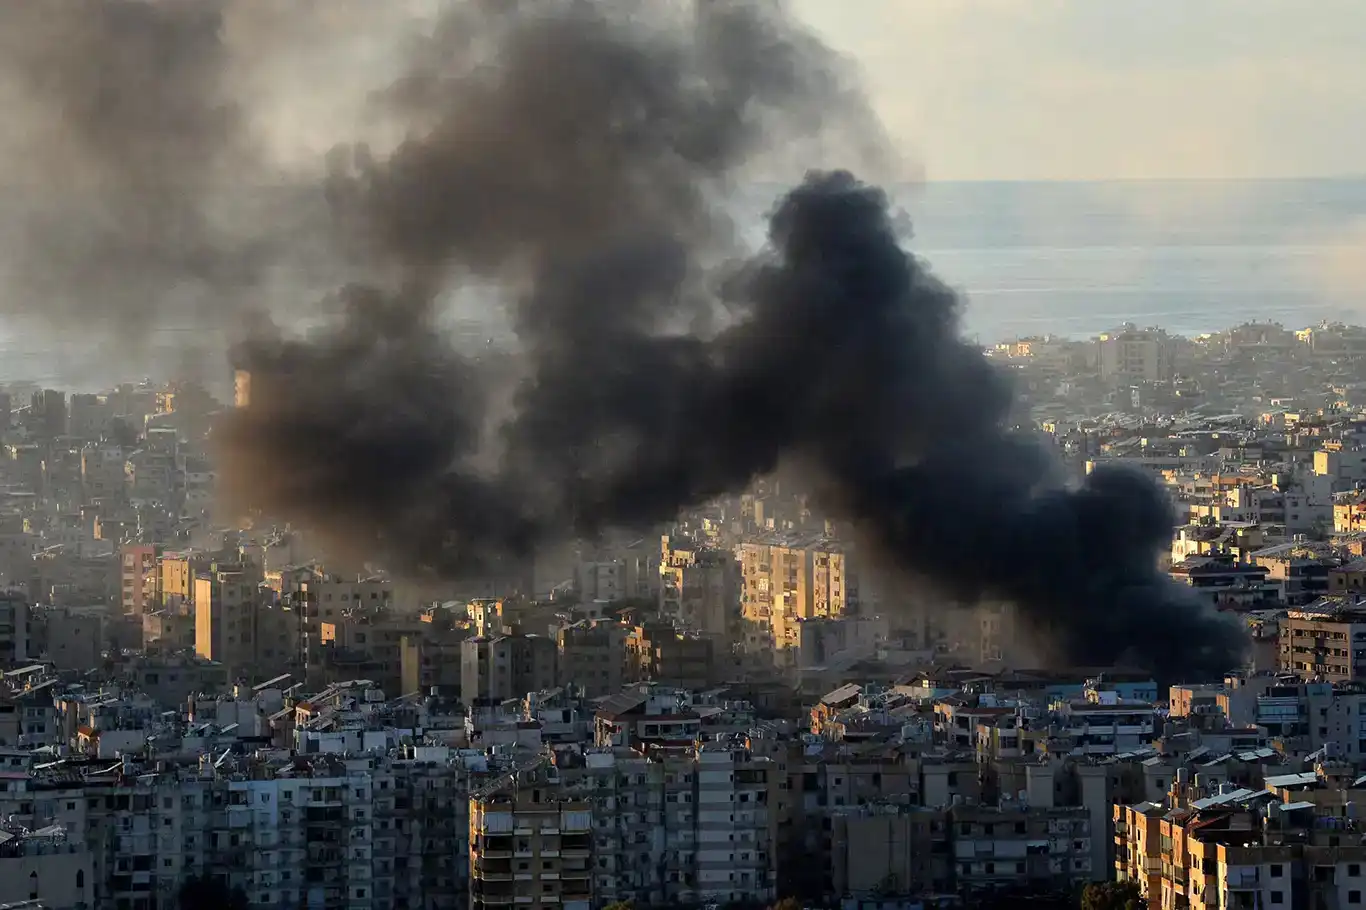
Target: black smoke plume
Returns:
[[577, 157]]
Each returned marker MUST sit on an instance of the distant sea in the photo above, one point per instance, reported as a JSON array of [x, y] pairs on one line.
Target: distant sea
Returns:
[[1191, 256], [1070, 259]]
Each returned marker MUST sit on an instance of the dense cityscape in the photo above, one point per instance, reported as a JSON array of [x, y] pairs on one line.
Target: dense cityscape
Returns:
[[558, 482], [731, 709]]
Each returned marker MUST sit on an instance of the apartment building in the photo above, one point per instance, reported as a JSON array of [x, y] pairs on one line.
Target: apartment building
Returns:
[[506, 666], [103, 474], [657, 652], [1239, 850], [1325, 640], [137, 577], [1345, 468], [316, 597], [373, 643], [699, 588], [332, 832], [592, 656], [530, 844], [890, 849], [44, 865], [15, 633], [785, 578], [666, 829], [1130, 354], [1042, 848], [225, 619]]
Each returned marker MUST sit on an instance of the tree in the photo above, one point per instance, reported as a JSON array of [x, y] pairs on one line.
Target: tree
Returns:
[[1113, 896], [619, 905], [203, 893], [787, 903]]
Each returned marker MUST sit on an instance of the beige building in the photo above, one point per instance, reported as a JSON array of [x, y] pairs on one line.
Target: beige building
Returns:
[[1202, 855], [530, 845], [784, 579], [671, 829], [317, 597], [138, 577], [1130, 354], [1325, 640], [657, 652], [103, 474], [225, 608], [699, 588]]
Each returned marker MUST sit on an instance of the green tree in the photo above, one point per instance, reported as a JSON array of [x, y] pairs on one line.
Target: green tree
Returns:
[[619, 905], [1113, 896], [787, 903]]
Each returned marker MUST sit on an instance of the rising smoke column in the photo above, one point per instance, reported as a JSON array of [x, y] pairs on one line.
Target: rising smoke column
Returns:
[[575, 157], [906, 426], [577, 154]]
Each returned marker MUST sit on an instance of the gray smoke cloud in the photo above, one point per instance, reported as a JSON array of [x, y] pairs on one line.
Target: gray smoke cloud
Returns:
[[654, 379], [141, 192], [577, 157]]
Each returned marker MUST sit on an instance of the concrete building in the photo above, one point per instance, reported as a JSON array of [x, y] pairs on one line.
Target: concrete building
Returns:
[[1325, 640], [505, 666], [1344, 467], [47, 414], [45, 866], [786, 578], [225, 619], [699, 588], [1238, 848], [138, 577], [332, 832], [1130, 354], [592, 656], [15, 631], [825, 639], [72, 638], [673, 829], [657, 652]]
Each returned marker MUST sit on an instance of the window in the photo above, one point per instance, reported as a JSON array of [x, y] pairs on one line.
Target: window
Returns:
[[1354, 869], [1277, 870], [1353, 897], [1277, 897]]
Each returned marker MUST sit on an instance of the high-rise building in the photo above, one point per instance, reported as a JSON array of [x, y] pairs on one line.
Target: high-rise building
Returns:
[[225, 614], [785, 579], [1130, 354], [699, 588], [241, 387], [596, 828], [137, 575], [48, 414], [493, 669]]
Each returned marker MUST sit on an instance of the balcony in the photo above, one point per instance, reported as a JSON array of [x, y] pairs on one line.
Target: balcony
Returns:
[[484, 876]]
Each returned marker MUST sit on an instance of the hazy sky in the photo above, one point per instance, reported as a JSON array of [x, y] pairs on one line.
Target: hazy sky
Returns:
[[1083, 89]]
